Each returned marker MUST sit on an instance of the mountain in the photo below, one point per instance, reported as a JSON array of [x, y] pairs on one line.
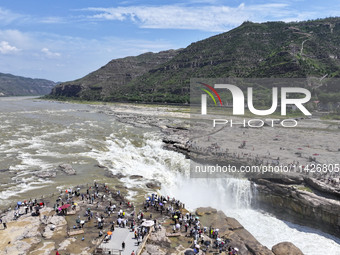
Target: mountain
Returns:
[[271, 49], [108, 82], [11, 85]]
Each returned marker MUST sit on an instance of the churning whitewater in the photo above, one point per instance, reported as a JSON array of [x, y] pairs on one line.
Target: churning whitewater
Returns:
[[37, 136]]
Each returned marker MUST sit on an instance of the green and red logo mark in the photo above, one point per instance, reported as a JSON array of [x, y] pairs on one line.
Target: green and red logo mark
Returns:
[[209, 93]]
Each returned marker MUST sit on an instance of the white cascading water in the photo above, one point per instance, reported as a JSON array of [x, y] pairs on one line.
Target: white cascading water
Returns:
[[229, 192], [232, 196]]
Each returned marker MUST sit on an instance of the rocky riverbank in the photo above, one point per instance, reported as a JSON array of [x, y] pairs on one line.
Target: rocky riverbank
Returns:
[[300, 203], [229, 229], [74, 230]]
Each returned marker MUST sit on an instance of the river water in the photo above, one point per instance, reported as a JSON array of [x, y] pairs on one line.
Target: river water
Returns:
[[37, 136]]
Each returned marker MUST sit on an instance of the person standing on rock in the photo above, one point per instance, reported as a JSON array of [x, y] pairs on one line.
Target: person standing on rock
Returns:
[[4, 224]]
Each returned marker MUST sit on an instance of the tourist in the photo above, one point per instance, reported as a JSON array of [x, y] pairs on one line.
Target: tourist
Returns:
[[123, 245], [133, 253], [4, 224]]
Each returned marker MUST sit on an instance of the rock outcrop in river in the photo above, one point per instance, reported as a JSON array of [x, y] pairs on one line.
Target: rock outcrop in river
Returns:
[[299, 204]]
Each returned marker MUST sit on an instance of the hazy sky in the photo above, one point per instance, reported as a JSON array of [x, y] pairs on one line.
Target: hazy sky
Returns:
[[66, 39]]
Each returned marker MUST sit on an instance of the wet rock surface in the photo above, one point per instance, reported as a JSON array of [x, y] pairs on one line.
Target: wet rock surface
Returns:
[[286, 248], [134, 177], [154, 185], [323, 187], [68, 169], [300, 205], [46, 174], [109, 174], [205, 211]]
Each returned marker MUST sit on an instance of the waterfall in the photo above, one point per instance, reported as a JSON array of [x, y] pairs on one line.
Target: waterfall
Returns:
[[232, 196], [237, 193], [222, 194]]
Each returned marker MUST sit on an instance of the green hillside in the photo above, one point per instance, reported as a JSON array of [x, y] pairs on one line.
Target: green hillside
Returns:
[[272, 49]]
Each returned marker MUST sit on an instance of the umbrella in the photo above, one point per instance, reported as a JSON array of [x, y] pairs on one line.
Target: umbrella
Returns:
[[164, 202], [197, 218], [206, 243], [148, 223], [175, 217], [82, 222], [99, 220], [19, 203], [109, 233], [65, 206], [236, 249], [160, 204], [75, 204], [197, 246], [189, 252]]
